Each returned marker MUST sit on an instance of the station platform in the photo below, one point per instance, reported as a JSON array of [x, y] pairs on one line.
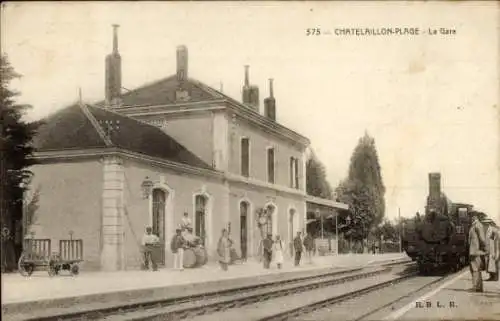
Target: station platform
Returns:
[[98, 286], [453, 300]]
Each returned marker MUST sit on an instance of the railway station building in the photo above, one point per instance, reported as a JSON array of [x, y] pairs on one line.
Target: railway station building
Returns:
[[147, 156]]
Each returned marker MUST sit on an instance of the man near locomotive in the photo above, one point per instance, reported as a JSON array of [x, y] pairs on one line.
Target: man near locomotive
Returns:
[[476, 251], [492, 246]]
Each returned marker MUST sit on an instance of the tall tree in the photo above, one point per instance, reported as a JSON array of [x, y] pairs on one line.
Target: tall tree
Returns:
[[363, 190], [360, 201], [365, 168], [316, 182], [16, 152]]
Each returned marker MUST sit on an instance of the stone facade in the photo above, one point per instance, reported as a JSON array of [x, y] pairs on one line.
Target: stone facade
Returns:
[[92, 176]]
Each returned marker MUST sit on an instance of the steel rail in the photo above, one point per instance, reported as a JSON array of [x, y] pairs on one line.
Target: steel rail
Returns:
[[89, 313], [402, 297], [222, 297], [122, 308], [232, 302], [286, 315]]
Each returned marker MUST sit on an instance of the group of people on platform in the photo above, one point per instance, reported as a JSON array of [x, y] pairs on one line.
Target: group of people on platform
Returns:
[[182, 239], [484, 251], [272, 249]]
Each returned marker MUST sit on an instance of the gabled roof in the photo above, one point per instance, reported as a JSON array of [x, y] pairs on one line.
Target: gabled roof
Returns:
[[162, 92], [72, 128]]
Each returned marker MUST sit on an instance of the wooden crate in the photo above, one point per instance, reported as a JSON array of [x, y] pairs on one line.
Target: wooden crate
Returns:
[[71, 250]]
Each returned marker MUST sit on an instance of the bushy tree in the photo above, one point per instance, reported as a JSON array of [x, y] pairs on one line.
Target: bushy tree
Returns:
[[359, 198], [363, 190], [365, 169], [316, 182], [16, 152], [387, 229]]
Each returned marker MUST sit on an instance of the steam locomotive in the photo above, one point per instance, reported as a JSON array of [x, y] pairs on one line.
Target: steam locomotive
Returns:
[[439, 240]]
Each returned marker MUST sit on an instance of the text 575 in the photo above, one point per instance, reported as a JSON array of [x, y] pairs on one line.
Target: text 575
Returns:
[[313, 31]]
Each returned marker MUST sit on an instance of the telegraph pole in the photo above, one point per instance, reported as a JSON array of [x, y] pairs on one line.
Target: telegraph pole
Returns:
[[399, 230], [337, 231]]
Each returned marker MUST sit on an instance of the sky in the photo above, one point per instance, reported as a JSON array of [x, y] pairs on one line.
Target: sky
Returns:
[[430, 101]]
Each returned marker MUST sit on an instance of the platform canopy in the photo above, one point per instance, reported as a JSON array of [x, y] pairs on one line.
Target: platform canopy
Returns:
[[320, 207]]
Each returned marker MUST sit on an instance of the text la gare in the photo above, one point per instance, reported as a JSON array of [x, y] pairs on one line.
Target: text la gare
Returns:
[[442, 31]]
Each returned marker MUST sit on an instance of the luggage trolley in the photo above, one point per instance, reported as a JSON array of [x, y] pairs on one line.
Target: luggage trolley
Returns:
[[37, 255]]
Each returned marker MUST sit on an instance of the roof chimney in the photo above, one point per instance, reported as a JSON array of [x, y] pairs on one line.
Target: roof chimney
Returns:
[[247, 81], [270, 103], [113, 74], [250, 92], [182, 63]]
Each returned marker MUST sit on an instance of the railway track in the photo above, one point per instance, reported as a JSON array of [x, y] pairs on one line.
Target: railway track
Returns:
[[204, 304], [371, 301]]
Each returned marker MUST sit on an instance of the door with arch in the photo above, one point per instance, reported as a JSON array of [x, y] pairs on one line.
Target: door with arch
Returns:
[[291, 229], [200, 217], [244, 229], [271, 210], [158, 224]]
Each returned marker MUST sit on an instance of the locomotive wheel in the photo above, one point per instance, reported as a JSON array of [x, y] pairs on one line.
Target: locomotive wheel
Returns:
[[75, 269], [25, 269]]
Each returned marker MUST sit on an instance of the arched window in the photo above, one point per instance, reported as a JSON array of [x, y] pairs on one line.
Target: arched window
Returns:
[[158, 224], [200, 216], [291, 218], [244, 228], [269, 226], [291, 228]]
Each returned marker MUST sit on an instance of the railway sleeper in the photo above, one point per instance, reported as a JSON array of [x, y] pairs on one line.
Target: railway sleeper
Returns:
[[182, 313]]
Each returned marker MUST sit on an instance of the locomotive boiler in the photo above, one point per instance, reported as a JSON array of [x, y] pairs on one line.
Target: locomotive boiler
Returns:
[[439, 239]]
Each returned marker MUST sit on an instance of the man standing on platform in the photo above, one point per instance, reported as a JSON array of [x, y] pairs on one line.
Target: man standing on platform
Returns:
[[149, 241], [297, 244], [309, 245], [476, 251], [177, 247], [268, 250], [492, 246]]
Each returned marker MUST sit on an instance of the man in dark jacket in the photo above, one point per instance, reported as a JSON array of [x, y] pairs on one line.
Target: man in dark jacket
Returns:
[[177, 247], [268, 250], [297, 245], [309, 245]]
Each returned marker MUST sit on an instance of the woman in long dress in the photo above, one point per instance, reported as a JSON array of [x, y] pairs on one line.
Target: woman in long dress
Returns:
[[224, 250], [278, 251]]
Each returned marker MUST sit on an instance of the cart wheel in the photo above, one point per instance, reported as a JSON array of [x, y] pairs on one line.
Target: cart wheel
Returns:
[[25, 269], [75, 269]]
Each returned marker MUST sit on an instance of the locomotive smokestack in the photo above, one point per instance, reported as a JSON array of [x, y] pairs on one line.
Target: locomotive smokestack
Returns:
[[434, 186]]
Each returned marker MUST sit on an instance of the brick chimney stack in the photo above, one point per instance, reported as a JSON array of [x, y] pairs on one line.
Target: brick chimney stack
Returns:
[[182, 94], [270, 103], [250, 92], [113, 73], [182, 63]]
